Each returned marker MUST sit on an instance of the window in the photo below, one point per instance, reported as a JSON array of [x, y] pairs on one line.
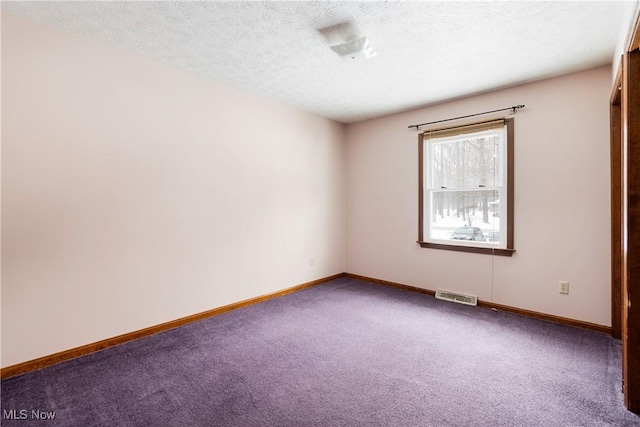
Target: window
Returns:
[[466, 188]]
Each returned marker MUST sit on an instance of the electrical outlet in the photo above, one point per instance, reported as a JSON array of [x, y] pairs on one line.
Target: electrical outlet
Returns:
[[311, 262], [564, 287]]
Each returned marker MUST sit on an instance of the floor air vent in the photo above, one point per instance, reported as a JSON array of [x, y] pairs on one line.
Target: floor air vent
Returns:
[[455, 297]]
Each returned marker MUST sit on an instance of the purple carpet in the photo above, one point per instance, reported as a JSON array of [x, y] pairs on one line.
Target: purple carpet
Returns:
[[344, 353]]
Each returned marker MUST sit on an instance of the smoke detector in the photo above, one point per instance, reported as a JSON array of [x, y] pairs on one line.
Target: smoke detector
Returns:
[[343, 40], [355, 48]]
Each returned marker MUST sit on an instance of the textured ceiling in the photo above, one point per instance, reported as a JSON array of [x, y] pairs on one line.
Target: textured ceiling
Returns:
[[428, 52]]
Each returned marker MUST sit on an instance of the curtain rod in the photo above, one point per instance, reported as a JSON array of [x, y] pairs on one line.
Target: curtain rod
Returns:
[[513, 111]]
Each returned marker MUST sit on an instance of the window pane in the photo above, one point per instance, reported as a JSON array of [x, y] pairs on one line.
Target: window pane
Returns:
[[465, 216], [466, 163]]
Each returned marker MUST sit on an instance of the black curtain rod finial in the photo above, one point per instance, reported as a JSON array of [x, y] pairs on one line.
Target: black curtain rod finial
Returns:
[[515, 108]]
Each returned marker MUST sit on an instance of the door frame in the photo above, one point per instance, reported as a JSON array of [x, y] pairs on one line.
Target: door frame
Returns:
[[625, 215]]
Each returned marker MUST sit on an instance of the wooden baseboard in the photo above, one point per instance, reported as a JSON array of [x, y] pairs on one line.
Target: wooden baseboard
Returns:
[[499, 307], [62, 356], [547, 317], [392, 284], [41, 362]]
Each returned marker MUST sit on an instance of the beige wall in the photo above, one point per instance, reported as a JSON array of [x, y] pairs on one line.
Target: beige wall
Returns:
[[134, 193], [562, 220]]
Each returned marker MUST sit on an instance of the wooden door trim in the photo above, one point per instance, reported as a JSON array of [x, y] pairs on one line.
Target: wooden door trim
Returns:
[[616, 206], [630, 225], [631, 217]]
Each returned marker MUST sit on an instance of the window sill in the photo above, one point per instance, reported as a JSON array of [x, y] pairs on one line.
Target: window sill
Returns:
[[473, 249]]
